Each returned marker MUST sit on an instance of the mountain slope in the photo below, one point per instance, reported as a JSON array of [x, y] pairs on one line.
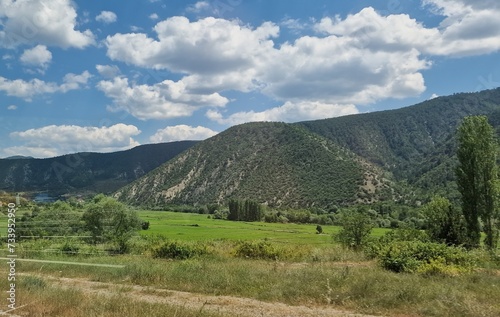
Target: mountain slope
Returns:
[[416, 144], [334, 161], [274, 163], [95, 172]]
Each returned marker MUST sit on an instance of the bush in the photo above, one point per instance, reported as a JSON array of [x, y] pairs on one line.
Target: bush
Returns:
[[374, 247], [145, 225], [257, 250], [178, 250], [70, 248], [319, 229], [415, 256]]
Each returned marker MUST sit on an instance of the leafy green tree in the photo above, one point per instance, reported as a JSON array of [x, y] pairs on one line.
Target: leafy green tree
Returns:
[[477, 177], [444, 223], [247, 210], [356, 228], [108, 220]]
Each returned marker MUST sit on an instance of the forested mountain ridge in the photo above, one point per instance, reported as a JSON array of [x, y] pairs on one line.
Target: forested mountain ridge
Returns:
[[345, 160], [93, 172], [415, 144], [273, 163]]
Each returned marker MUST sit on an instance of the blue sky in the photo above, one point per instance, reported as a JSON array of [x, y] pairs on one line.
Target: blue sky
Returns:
[[109, 75]]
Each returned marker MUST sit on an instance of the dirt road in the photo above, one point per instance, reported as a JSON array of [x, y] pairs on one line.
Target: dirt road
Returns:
[[228, 305]]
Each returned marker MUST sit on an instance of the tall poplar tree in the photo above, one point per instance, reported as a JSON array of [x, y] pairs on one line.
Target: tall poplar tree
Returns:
[[477, 178]]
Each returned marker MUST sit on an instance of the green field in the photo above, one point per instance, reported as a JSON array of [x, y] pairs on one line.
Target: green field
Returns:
[[196, 227]]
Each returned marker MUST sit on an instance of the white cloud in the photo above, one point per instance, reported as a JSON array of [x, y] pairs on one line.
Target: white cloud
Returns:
[[289, 112], [38, 56], [108, 71], [294, 25], [153, 16], [106, 17], [57, 140], [468, 29], [199, 6], [167, 99], [135, 28], [12, 107], [28, 89], [356, 60], [433, 96], [74, 81], [48, 22], [182, 132], [206, 47]]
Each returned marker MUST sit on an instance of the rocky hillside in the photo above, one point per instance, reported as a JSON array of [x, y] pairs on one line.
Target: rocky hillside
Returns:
[[274, 163]]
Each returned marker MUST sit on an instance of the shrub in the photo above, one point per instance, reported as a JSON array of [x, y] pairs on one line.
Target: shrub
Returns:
[[145, 225], [319, 229], [70, 248], [257, 250], [178, 250], [414, 256]]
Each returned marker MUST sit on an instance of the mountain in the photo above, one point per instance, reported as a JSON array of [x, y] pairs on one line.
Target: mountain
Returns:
[[80, 172], [415, 144], [405, 154], [275, 163], [18, 157]]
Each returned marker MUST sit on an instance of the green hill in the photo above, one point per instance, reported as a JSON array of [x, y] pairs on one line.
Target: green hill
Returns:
[[273, 163], [406, 154], [93, 172], [415, 144]]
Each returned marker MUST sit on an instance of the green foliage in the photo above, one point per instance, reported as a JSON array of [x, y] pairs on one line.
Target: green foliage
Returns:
[[444, 223], [477, 177], [414, 256], [57, 219], [178, 250], [109, 220], [319, 229], [257, 250], [356, 228], [70, 248], [246, 210]]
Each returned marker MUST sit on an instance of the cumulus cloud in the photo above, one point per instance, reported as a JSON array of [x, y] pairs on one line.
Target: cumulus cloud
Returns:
[[153, 16], [28, 89], [108, 71], [182, 132], [167, 99], [38, 56], [207, 46], [106, 17], [12, 107], [288, 112], [354, 60], [56, 140], [49, 22]]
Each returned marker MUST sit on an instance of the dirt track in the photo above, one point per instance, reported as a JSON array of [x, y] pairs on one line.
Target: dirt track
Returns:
[[228, 305]]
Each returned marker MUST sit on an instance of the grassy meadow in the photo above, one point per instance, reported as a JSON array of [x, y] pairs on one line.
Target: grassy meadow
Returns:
[[312, 270], [198, 227]]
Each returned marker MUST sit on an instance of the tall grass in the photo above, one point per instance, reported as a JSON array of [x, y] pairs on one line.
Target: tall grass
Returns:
[[363, 288], [38, 299]]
